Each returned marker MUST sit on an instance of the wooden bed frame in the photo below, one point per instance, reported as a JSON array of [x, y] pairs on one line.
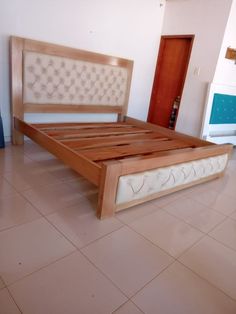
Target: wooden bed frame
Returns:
[[111, 155]]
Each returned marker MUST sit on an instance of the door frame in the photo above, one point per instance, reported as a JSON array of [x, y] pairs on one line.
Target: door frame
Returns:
[[159, 62]]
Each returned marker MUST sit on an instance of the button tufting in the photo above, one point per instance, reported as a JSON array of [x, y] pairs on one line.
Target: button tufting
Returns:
[[142, 184], [51, 79]]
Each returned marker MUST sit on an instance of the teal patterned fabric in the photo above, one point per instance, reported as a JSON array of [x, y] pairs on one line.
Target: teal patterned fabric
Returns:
[[223, 109]]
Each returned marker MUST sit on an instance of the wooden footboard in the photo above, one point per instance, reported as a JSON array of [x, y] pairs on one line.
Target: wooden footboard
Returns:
[[214, 158]]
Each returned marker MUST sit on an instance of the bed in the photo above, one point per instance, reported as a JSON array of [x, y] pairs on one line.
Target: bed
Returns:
[[130, 161], [219, 120]]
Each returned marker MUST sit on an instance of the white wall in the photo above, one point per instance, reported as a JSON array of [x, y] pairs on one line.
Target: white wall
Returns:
[[125, 28], [226, 69], [207, 20]]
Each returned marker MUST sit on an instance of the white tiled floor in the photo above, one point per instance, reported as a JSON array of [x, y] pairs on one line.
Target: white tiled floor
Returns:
[[175, 255]]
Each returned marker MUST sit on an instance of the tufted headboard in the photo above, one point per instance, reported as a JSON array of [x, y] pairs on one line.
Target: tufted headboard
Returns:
[[219, 119], [48, 78]]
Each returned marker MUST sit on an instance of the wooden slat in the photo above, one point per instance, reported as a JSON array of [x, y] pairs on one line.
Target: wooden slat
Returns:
[[167, 158], [64, 126], [169, 133], [94, 130], [134, 149], [123, 143], [60, 135], [150, 156], [81, 164], [111, 140]]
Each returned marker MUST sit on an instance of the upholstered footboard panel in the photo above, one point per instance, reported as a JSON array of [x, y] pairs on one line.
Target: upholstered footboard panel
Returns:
[[141, 185]]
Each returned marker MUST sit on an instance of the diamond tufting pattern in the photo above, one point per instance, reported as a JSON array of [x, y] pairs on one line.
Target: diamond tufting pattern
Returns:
[[140, 185], [56, 80]]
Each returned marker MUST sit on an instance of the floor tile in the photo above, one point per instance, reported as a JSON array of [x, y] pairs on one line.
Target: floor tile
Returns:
[[81, 225], [214, 262], [207, 197], [2, 284], [32, 147], [26, 248], [40, 155], [128, 308], [65, 174], [7, 305], [164, 200], [233, 215], [12, 149], [169, 233], [219, 183], [206, 220], [184, 208], [228, 186], [15, 210], [48, 199], [71, 285], [13, 162], [131, 214], [32, 176], [5, 188], [195, 214], [52, 165], [127, 259], [82, 185], [35, 256], [177, 290], [58, 169], [224, 204], [231, 165], [226, 233]]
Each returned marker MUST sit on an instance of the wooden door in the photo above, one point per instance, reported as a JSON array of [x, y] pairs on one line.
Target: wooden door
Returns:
[[171, 69]]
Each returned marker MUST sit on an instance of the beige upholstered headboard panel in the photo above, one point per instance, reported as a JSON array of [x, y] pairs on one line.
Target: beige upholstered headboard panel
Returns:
[[56, 80], [49, 78]]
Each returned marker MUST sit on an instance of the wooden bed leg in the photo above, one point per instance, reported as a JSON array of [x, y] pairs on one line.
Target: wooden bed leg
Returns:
[[120, 117], [17, 137], [107, 189], [17, 106]]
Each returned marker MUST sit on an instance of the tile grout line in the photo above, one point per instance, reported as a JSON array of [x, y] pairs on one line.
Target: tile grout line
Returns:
[[105, 275], [84, 246], [203, 234], [226, 246], [136, 306], [194, 227], [30, 188], [100, 238], [56, 228], [35, 271], [114, 312], [175, 259], [76, 249], [210, 205], [164, 269], [14, 301], [210, 283]]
